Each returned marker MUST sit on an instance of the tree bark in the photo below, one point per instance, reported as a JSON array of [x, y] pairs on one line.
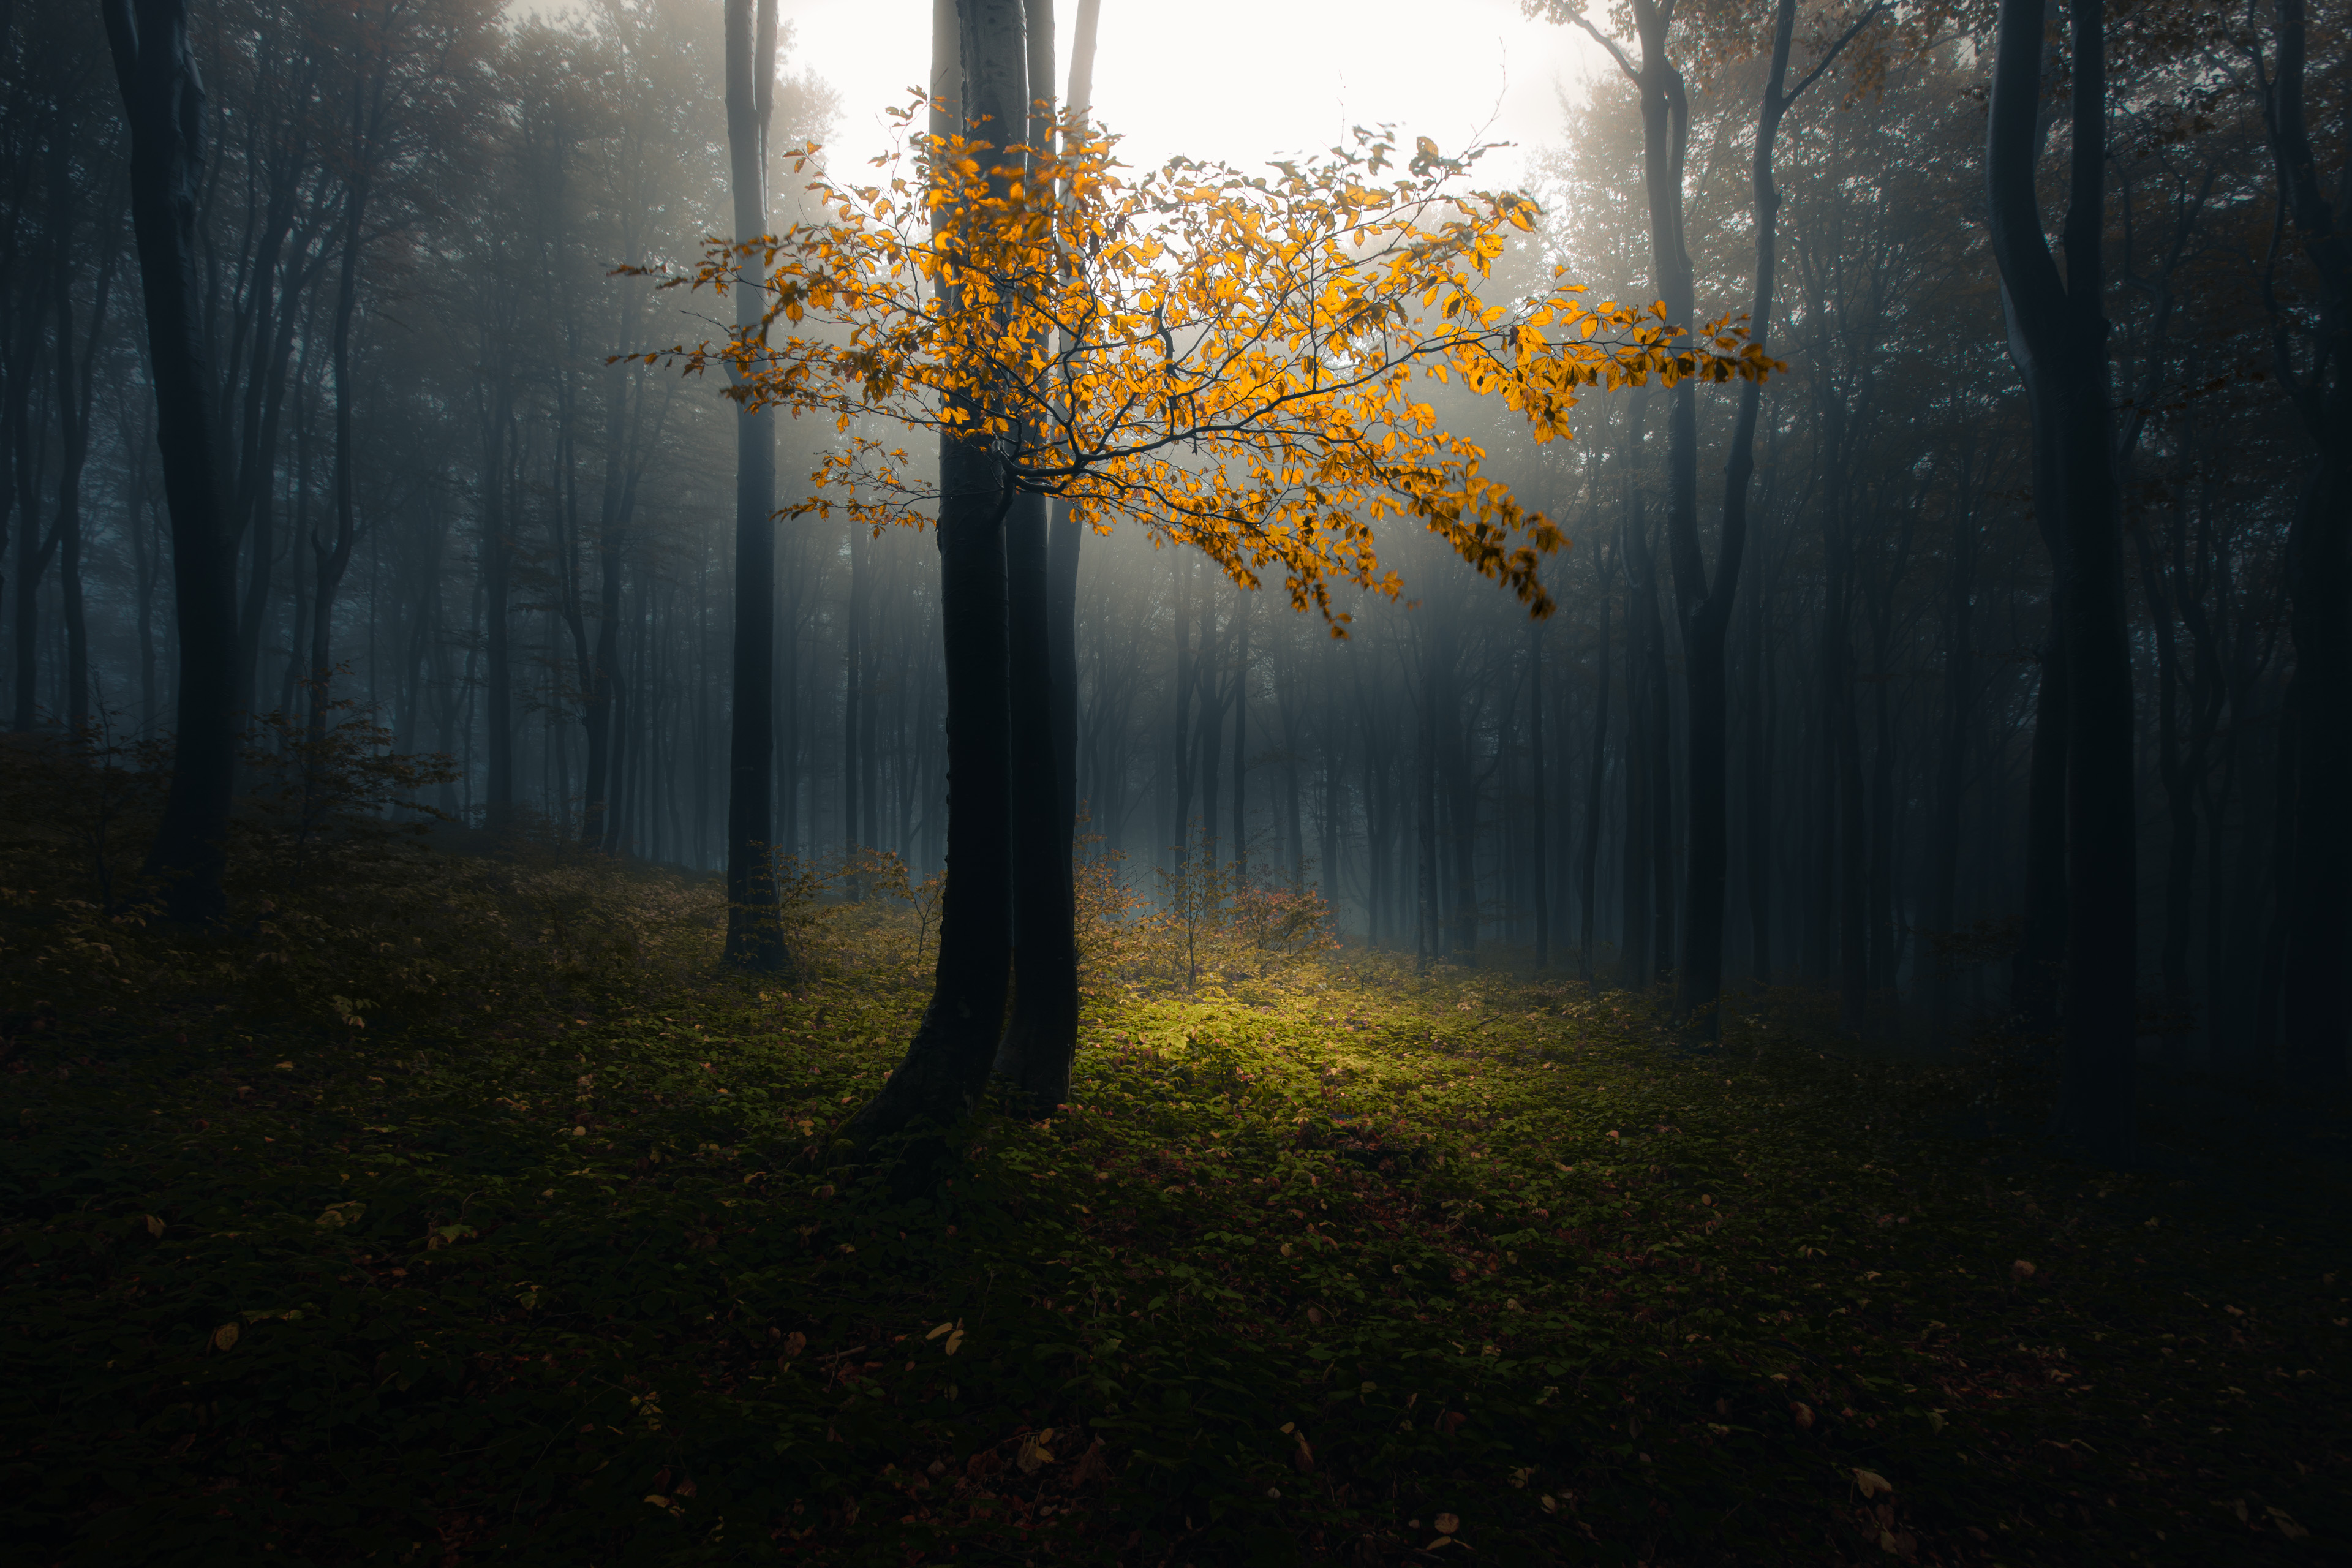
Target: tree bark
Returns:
[[2315, 901], [163, 103], [2061, 324], [1588, 867], [1541, 864], [754, 932], [979, 70], [332, 559]]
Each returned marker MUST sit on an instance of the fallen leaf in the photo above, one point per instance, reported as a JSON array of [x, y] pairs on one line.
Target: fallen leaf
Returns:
[[154, 1226], [2020, 1270], [795, 1343], [1871, 1483], [1446, 1523], [224, 1337], [1805, 1414]]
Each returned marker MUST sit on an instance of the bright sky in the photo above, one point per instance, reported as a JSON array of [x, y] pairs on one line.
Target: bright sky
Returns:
[[1245, 80]]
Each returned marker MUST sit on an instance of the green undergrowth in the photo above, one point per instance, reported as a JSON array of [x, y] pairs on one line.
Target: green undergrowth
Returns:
[[1379, 1270]]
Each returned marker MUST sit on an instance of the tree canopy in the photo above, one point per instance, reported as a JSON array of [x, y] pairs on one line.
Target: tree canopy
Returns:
[[1235, 361]]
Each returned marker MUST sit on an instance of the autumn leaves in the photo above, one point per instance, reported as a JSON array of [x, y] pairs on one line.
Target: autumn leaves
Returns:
[[1236, 362]]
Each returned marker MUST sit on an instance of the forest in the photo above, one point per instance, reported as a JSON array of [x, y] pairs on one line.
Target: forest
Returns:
[[1601, 819]]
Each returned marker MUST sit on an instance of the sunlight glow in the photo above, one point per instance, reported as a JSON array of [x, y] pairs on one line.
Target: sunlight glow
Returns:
[[1245, 80]]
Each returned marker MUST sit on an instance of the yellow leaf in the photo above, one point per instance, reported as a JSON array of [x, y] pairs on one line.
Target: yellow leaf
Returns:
[[224, 1337], [154, 1226]]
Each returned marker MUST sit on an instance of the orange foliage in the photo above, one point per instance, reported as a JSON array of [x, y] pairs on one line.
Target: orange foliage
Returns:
[[1234, 363]]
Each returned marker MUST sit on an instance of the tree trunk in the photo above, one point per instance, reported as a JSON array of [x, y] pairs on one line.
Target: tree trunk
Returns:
[[2315, 901], [1588, 867], [755, 933], [1537, 788], [979, 68], [163, 103], [1960, 693], [1035, 1055], [2061, 325], [333, 560], [1241, 729]]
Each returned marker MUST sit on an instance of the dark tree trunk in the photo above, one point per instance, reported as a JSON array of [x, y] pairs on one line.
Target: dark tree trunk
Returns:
[[852, 694], [1538, 791], [1588, 867], [1852, 926], [1960, 695], [2315, 894], [1763, 695], [1035, 1054], [332, 559], [1041, 1042], [163, 103], [2061, 324], [496, 565], [1633, 952], [1241, 729], [754, 933], [978, 49], [77, 386]]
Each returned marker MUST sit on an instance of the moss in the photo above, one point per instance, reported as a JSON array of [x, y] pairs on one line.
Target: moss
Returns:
[[1298, 1274]]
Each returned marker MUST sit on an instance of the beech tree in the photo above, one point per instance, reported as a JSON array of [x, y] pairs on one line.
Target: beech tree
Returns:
[[1071, 335]]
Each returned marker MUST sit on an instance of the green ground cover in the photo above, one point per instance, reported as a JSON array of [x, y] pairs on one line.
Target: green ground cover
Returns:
[[1357, 1267]]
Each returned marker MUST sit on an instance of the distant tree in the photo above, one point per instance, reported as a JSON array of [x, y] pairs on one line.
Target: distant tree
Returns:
[[163, 103], [2060, 330], [754, 936], [2316, 903]]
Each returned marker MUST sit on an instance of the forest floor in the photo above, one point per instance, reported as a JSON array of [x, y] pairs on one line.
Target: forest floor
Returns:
[[1379, 1268]]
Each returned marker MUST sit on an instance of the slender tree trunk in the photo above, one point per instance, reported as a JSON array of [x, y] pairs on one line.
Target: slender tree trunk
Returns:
[[496, 567], [755, 933], [333, 560], [2315, 891], [1541, 863], [1843, 862], [1588, 870], [1763, 696], [163, 103], [77, 386], [853, 693], [1241, 728], [1960, 694]]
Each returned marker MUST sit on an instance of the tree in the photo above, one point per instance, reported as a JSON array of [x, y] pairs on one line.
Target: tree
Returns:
[[754, 932], [1229, 363], [162, 102], [2316, 901], [2061, 337]]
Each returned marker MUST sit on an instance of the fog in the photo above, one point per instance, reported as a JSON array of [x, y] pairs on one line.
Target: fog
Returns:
[[462, 521]]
